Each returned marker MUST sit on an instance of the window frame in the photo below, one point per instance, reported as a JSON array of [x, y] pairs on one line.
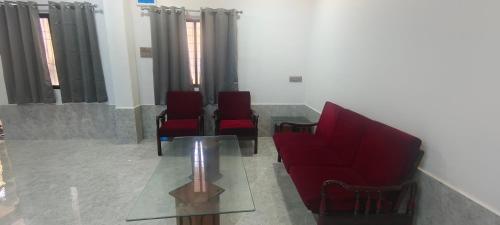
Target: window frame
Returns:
[[46, 16]]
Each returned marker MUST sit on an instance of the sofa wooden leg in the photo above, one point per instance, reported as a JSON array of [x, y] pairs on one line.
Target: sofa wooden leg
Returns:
[[255, 145], [279, 158]]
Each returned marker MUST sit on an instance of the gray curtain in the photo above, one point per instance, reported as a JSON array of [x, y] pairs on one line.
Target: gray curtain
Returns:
[[76, 50], [25, 68], [219, 54], [170, 52]]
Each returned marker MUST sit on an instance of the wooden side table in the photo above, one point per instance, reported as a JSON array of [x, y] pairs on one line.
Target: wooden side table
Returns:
[[277, 120]]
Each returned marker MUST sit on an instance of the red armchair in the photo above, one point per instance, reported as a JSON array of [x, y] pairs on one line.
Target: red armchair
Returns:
[[234, 116], [183, 116]]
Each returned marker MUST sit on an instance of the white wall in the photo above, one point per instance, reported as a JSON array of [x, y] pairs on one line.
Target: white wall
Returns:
[[428, 67], [120, 44], [272, 42]]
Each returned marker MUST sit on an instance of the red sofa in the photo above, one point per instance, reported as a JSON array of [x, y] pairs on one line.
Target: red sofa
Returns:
[[350, 149]]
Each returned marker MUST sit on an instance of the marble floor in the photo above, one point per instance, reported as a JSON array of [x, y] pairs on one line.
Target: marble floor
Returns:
[[82, 182]]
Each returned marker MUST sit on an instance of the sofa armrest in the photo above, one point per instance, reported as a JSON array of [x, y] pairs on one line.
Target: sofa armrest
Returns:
[[409, 186]]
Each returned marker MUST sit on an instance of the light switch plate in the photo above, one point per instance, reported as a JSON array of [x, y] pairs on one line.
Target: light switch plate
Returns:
[[295, 79], [146, 52]]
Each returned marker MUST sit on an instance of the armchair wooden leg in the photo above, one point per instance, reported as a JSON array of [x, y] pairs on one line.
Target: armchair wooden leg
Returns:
[[279, 158], [256, 144], [158, 143]]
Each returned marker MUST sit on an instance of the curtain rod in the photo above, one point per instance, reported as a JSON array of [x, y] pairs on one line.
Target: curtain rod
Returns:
[[93, 5], [15, 3], [155, 8]]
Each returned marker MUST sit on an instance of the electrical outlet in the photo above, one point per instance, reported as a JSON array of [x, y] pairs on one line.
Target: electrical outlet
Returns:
[[295, 79]]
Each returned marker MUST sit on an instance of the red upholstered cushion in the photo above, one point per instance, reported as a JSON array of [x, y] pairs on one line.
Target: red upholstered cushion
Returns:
[[284, 139], [386, 155], [184, 105], [234, 105], [309, 180], [236, 124], [327, 120], [178, 128], [237, 127], [347, 135], [297, 156], [344, 138]]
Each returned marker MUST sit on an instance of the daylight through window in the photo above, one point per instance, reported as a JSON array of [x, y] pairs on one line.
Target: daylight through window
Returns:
[[49, 50], [194, 43]]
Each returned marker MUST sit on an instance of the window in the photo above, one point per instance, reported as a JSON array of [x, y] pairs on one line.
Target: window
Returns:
[[194, 43], [49, 49]]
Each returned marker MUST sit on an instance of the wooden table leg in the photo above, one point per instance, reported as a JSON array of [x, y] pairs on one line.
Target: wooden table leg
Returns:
[[199, 220]]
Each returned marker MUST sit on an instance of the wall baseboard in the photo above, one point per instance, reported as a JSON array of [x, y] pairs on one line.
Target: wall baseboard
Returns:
[[71, 121], [103, 121], [265, 111], [438, 204], [476, 201]]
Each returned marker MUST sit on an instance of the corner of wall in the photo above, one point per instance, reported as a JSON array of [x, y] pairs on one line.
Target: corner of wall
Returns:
[[128, 125]]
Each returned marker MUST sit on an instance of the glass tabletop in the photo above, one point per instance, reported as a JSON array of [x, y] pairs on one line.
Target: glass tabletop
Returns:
[[276, 120], [196, 176]]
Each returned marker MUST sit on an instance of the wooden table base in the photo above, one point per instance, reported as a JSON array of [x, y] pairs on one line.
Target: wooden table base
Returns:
[[199, 220]]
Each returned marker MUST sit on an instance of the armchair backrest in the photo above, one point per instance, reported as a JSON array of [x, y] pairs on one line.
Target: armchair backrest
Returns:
[[234, 105], [184, 104], [387, 155]]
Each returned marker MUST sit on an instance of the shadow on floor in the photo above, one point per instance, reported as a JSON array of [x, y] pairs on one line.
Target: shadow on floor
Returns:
[[294, 205], [246, 148]]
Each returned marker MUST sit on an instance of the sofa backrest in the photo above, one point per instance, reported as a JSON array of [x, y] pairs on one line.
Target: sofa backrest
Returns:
[[386, 155], [327, 120], [184, 105], [347, 135]]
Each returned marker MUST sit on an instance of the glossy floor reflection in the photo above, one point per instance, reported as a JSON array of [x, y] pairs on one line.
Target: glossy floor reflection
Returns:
[[81, 182]]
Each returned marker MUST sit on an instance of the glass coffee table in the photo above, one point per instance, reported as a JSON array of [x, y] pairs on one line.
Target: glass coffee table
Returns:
[[197, 179]]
